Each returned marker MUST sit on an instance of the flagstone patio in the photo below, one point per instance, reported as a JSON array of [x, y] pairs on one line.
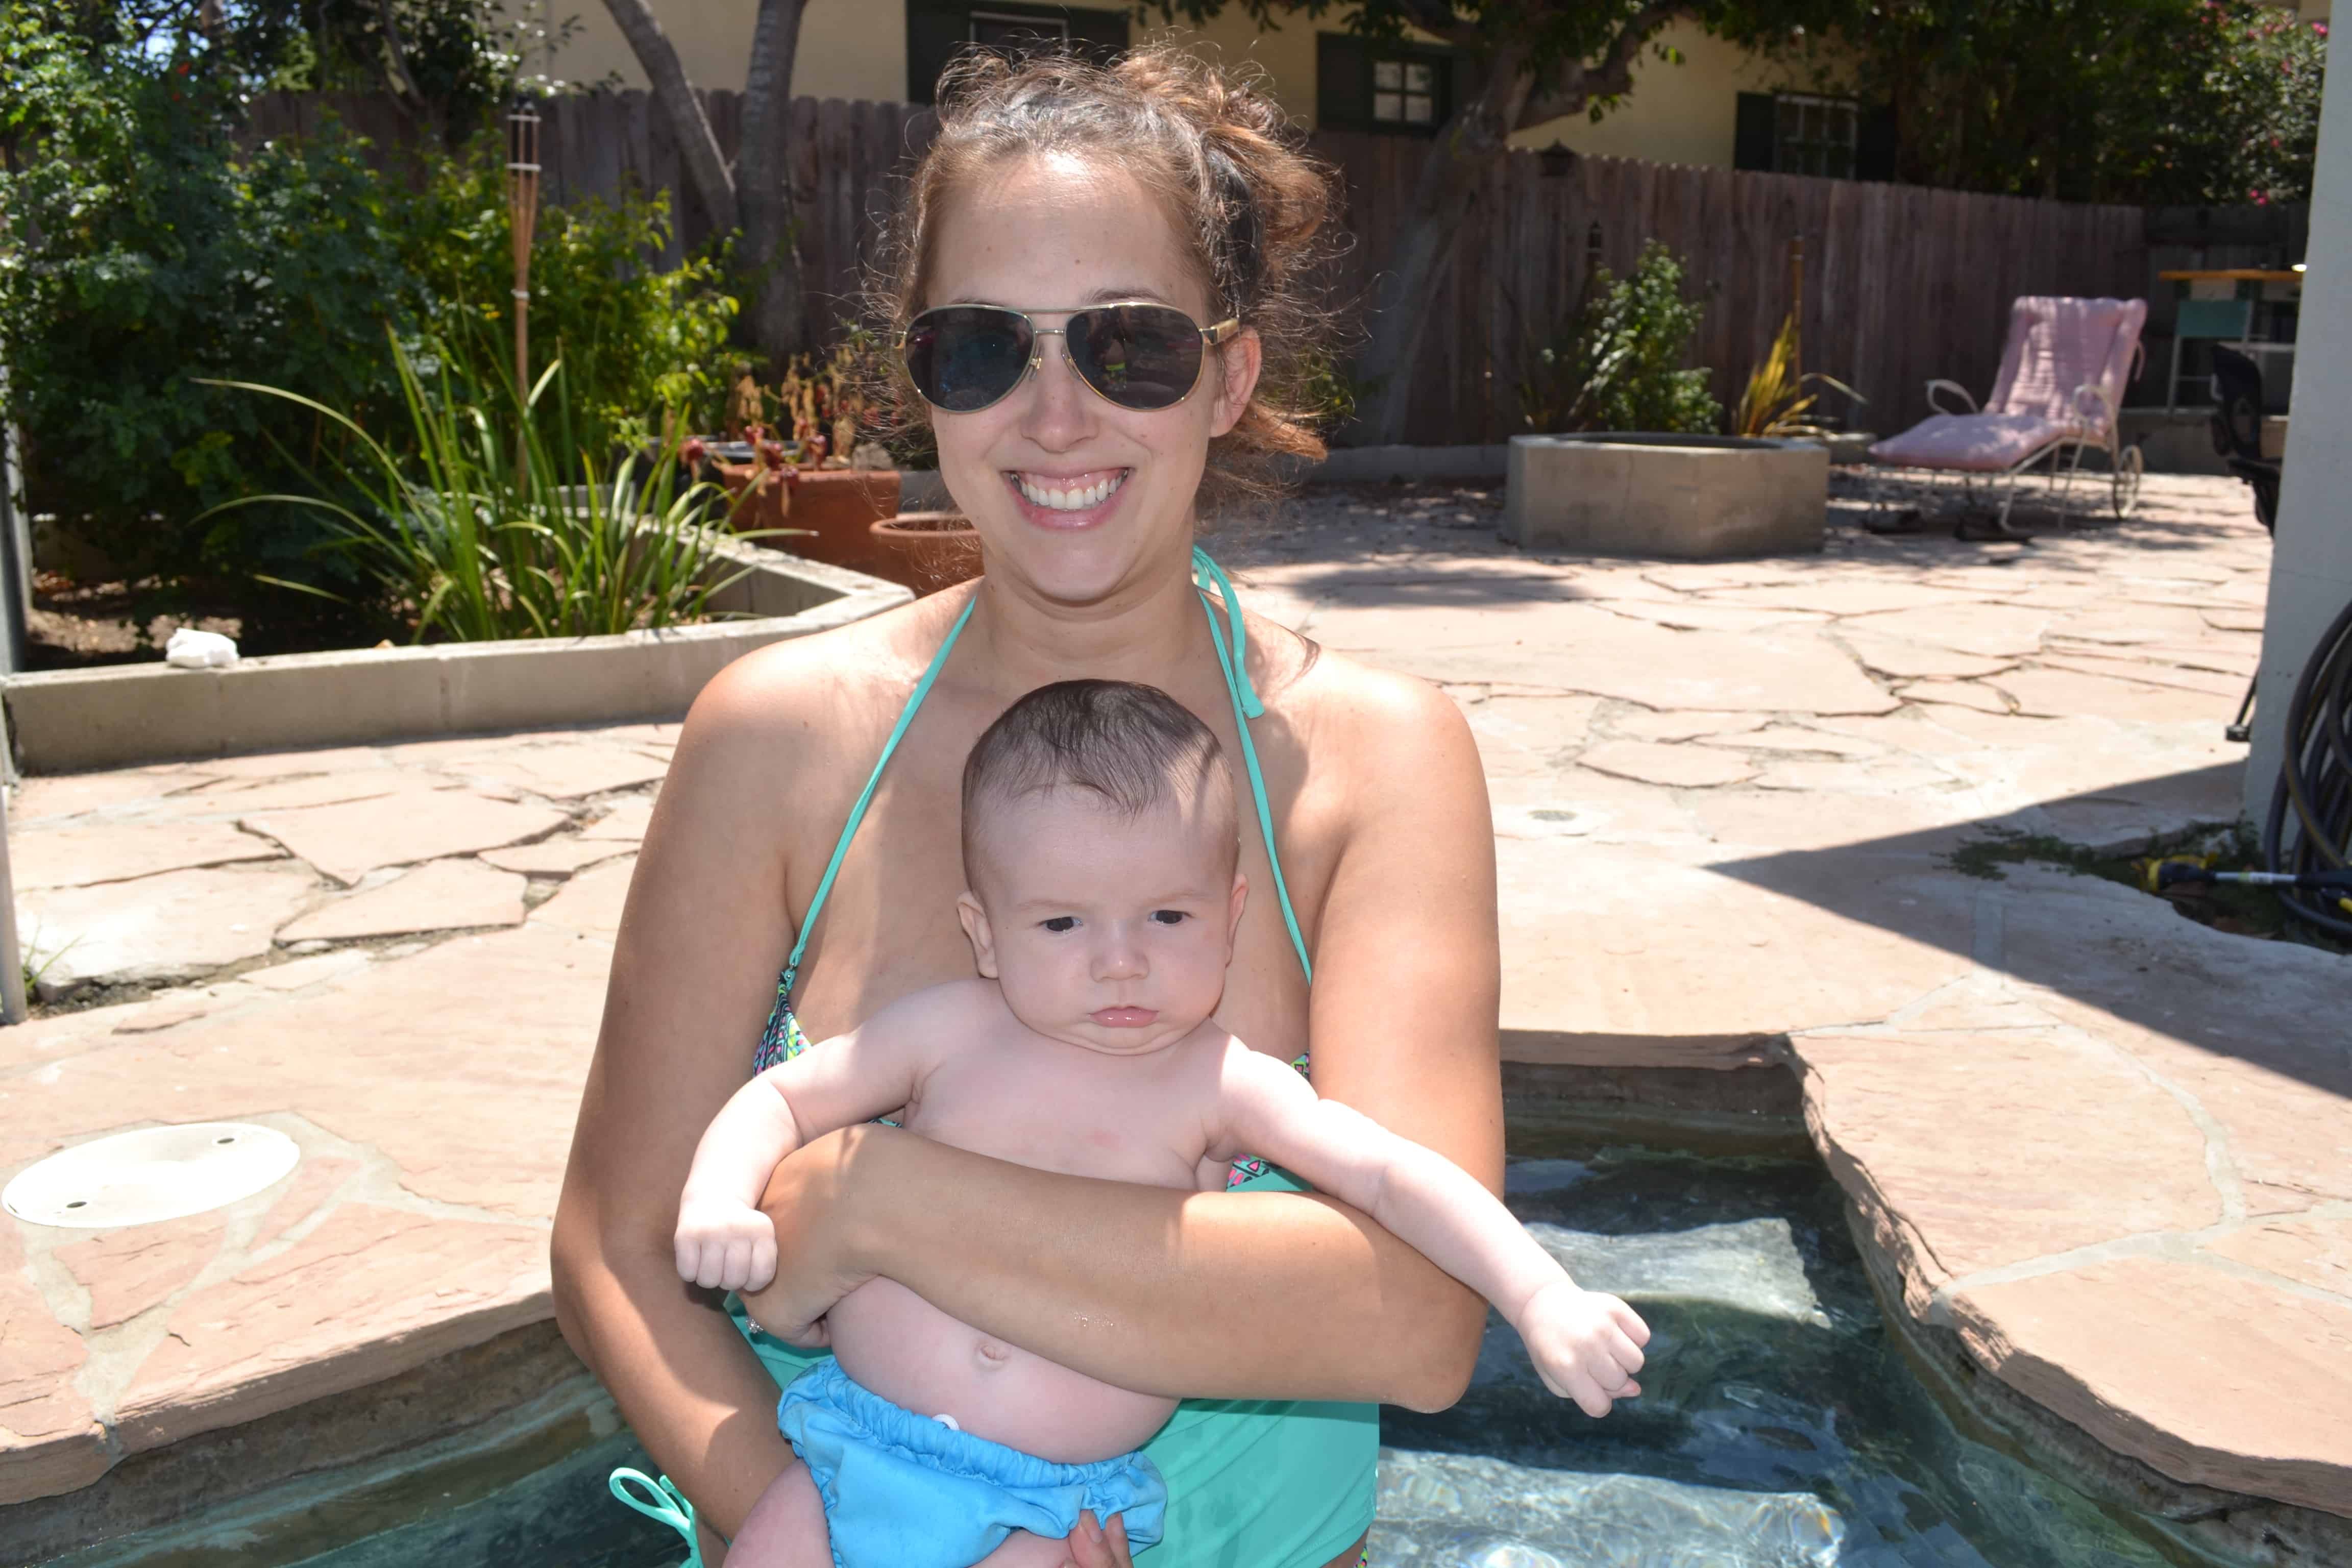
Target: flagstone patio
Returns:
[[2101, 1154]]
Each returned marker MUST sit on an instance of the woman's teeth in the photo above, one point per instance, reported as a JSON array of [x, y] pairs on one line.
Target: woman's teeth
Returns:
[[1065, 497]]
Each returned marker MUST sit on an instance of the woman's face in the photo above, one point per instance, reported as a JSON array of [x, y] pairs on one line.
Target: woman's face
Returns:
[[1045, 235]]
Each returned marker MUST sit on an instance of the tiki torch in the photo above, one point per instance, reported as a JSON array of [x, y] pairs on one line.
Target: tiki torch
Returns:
[[522, 206]]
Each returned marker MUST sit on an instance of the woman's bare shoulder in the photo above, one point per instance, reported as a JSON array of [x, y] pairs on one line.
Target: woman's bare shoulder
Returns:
[[1387, 729], [797, 702]]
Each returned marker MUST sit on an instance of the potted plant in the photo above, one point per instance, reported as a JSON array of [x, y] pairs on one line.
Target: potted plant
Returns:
[[927, 551]]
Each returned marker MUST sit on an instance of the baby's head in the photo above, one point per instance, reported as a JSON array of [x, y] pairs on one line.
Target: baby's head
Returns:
[[1100, 845]]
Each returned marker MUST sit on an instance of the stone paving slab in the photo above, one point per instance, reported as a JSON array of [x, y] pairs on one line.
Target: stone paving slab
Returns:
[[2109, 1149]]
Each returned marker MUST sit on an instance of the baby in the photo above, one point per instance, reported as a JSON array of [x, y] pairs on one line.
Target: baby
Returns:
[[1100, 843]]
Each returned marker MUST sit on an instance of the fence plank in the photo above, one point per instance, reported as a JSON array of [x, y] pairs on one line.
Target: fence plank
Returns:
[[1902, 284]]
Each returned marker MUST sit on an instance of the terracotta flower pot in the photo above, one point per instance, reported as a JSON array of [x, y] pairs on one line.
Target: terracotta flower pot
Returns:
[[840, 506], [927, 551], [834, 506]]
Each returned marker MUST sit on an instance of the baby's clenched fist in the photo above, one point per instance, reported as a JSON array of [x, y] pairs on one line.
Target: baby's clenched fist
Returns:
[[724, 1244], [1586, 1346]]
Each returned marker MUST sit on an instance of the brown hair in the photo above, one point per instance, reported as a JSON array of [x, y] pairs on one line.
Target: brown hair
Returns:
[[1132, 747], [1258, 212]]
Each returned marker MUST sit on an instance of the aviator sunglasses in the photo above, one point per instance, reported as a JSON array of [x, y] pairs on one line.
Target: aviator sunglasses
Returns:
[[963, 358]]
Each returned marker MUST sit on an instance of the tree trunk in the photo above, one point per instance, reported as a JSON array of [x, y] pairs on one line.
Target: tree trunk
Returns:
[[768, 259], [1457, 161], [713, 186]]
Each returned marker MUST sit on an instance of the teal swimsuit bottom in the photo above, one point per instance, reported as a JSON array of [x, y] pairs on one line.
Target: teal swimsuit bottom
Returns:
[[1251, 1483]]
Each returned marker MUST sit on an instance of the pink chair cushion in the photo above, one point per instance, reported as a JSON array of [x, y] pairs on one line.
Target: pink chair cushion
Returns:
[[2056, 344], [1973, 443]]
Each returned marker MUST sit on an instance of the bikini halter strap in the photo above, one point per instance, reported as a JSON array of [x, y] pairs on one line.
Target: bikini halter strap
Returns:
[[857, 812], [1247, 707], [1233, 662]]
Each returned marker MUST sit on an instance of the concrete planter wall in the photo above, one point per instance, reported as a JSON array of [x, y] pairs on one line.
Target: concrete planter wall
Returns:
[[63, 721], [1684, 497]]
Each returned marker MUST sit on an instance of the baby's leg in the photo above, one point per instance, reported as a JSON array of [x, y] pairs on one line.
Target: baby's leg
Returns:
[[785, 1529]]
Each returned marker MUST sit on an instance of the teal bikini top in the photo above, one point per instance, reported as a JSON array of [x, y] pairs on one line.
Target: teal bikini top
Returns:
[[783, 1039]]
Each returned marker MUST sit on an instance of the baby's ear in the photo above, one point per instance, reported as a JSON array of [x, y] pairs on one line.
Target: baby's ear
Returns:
[[1240, 902], [976, 931]]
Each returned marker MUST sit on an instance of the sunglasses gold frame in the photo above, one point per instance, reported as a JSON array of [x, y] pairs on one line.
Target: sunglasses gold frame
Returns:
[[1211, 337]]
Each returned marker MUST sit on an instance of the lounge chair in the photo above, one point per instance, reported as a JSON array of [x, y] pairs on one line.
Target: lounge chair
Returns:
[[2063, 375]]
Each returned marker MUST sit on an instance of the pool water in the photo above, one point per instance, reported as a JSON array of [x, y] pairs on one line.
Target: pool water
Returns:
[[1778, 1427]]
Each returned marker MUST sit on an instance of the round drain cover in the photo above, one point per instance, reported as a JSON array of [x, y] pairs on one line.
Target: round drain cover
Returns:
[[154, 1174]]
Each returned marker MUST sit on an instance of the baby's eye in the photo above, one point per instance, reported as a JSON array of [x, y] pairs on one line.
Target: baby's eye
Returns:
[[1169, 917], [1061, 924]]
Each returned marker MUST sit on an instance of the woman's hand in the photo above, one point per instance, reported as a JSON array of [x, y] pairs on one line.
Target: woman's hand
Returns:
[[1095, 1545], [809, 1202]]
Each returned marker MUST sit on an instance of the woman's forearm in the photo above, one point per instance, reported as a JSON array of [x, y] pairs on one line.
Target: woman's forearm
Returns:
[[1210, 1294], [690, 1388]]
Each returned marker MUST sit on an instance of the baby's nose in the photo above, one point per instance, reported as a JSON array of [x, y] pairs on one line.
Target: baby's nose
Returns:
[[1120, 959]]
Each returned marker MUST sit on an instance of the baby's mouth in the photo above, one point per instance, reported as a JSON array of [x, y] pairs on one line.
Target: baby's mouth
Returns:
[[1069, 492], [1125, 1017]]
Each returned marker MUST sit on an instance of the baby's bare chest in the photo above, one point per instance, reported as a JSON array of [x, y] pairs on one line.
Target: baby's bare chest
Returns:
[[1138, 1121]]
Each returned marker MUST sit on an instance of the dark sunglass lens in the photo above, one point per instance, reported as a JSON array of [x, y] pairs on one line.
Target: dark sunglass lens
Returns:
[[1139, 356], [964, 358]]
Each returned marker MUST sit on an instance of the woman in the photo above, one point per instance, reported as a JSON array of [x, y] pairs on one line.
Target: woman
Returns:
[[1102, 282]]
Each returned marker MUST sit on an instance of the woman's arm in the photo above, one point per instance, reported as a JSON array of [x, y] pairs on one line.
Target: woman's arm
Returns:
[[1242, 1295], [692, 978]]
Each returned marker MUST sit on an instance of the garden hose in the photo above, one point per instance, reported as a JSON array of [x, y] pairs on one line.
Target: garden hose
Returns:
[[2309, 827]]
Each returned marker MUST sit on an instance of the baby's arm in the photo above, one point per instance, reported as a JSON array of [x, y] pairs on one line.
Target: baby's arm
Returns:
[[723, 1241], [1585, 1345]]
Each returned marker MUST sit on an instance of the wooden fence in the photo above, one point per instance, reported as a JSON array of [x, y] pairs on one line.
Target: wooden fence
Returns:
[[1901, 283]]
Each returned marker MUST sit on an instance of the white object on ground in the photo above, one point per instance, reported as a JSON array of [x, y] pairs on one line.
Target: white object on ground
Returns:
[[155, 1173], [191, 650]]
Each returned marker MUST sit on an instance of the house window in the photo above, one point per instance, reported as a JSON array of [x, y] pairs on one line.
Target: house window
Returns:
[[1814, 135], [1363, 86], [939, 30], [1012, 34], [1808, 133], [1404, 93]]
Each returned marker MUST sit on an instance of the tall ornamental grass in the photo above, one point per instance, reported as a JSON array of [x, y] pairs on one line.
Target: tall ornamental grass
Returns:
[[491, 527]]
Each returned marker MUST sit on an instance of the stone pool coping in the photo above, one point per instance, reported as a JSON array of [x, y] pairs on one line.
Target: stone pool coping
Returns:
[[68, 721], [2096, 1154]]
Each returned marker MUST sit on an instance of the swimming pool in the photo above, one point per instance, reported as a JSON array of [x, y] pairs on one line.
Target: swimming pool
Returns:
[[1781, 1427]]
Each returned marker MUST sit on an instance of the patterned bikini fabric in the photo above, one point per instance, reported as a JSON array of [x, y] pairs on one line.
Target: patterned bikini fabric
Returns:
[[783, 1040]]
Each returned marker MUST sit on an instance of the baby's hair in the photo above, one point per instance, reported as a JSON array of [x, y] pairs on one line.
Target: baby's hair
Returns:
[[1133, 747], [1255, 213]]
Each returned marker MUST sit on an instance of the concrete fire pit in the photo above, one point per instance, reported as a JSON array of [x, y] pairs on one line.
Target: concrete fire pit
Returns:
[[1685, 498]]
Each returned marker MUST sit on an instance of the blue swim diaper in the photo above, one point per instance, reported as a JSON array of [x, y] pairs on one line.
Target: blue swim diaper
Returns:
[[903, 1490]]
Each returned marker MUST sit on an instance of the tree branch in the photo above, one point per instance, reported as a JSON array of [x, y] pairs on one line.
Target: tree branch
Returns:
[[713, 186], [1576, 84]]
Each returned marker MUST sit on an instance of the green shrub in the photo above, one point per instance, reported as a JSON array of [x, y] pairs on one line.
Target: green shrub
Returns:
[[1621, 366], [146, 257], [635, 340], [495, 518], [140, 251]]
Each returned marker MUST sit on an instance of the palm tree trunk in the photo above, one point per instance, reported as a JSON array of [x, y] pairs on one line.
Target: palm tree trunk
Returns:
[[714, 187], [769, 260], [1472, 142]]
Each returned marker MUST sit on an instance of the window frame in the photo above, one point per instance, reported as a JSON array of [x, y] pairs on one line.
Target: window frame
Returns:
[[1362, 59]]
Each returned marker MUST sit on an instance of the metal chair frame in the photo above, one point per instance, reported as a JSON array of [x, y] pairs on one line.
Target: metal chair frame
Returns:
[[2062, 458]]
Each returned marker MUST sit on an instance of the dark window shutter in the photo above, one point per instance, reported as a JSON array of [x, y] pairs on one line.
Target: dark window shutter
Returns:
[[934, 33], [1469, 81], [1343, 81], [1873, 145], [1753, 133], [936, 29], [1103, 33]]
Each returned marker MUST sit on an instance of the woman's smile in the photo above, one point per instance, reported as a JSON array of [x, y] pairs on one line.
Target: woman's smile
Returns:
[[1068, 501]]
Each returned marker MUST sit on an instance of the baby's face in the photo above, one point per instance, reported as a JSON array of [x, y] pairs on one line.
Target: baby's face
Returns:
[[1104, 930]]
